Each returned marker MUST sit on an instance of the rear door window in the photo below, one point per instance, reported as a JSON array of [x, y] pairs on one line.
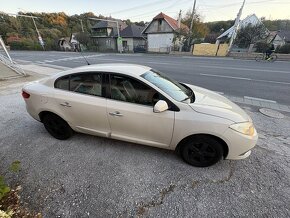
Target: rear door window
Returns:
[[89, 83]]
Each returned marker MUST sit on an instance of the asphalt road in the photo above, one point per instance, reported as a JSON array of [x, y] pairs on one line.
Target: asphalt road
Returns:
[[88, 176], [270, 81]]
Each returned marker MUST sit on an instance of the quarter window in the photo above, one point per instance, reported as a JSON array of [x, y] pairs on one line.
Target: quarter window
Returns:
[[62, 83]]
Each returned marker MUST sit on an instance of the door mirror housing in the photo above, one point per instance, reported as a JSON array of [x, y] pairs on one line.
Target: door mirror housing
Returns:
[[160, 106]]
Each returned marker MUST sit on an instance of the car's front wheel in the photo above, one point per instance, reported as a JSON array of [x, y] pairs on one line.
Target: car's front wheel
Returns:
[[57, 127], [201, 151]]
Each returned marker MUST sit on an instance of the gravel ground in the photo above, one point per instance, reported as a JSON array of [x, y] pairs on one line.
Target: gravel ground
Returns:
[[88, 176]]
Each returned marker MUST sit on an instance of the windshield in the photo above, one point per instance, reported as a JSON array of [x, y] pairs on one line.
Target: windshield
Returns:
[[169, 86]]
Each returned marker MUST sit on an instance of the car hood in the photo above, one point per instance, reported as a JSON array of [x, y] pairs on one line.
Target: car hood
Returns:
[[212, 103]]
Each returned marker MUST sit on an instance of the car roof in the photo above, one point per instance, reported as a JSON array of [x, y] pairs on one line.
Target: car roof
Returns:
[[128, 69]]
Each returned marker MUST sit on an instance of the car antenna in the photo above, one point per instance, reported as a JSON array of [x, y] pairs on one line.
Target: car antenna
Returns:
[[84, 57]]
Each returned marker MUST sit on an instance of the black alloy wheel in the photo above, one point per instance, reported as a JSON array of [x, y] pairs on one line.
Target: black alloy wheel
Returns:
[[202, 151], [57, 127]]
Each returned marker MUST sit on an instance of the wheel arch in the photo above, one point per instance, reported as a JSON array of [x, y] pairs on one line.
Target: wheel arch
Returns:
[[45, 112], [223, 143]]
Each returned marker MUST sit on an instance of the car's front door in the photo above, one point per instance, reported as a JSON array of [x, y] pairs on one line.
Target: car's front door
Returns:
[[79, 98], [131, 116]]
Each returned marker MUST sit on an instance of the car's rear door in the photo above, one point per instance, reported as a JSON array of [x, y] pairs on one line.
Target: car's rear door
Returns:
[[131, 116], [81, 102]]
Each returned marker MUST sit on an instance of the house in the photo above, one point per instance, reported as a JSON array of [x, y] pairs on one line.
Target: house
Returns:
[[64, 44], [161, 33], [132, 39], [69, 43], [251, 19], [280, 38], [105, 34], [74, 42]]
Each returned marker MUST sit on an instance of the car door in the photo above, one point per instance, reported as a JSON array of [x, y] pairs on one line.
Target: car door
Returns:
[[80, 98], [131, 116]]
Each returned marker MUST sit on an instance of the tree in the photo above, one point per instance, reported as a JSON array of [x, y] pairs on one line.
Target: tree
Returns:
[[199, 29], [83, 38], [219, 26], [251, 34]]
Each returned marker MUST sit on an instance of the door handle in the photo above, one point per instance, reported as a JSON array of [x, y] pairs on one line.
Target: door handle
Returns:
[[65, 104], [116, 114]]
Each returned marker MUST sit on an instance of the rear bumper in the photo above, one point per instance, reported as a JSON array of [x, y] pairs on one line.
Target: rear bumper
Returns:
[[240, 145]]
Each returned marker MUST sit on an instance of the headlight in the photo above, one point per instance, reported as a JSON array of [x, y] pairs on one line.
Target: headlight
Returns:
[[246, 128]]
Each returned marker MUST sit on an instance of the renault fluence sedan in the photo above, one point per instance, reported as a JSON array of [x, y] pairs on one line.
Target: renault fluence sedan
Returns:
[[138, 104]]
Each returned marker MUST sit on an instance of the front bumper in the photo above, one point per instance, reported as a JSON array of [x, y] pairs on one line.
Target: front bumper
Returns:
[[240, 145]]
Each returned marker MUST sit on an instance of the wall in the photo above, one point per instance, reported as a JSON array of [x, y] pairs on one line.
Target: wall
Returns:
[[210, 49], [160, 42], [156, 27], [105, 44]]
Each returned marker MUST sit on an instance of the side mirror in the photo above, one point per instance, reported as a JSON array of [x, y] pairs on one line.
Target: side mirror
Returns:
[[160, 106]]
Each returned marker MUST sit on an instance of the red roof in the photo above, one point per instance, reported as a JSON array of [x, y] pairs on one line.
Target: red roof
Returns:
[[172, 22]]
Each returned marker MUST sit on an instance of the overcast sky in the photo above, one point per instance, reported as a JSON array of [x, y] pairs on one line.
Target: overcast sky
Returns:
[[136, 10]]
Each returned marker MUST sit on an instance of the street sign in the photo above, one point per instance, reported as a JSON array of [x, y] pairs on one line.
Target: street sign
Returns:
[[120, 39]]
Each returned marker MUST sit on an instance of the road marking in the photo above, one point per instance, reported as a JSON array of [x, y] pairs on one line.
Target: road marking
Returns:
[[244, 78], [222, 76], [71, 58], [260, 99], [247, 69]]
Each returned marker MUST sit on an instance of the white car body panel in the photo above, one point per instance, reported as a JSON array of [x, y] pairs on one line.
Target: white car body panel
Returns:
[[86, 114], [139, 124], [210, 114]]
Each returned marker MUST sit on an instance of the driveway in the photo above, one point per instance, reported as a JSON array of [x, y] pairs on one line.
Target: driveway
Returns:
[[88, 176]]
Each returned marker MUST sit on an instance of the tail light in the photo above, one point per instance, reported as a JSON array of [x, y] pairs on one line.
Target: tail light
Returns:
[[25, 94]]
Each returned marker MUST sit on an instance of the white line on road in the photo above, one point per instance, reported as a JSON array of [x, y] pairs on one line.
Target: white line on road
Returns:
[[222, 76], [259, 99], [244, 78], [247, 69]]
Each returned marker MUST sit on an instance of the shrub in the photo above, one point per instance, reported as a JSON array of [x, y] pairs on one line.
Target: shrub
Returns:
[[261, 47], [285, 49]]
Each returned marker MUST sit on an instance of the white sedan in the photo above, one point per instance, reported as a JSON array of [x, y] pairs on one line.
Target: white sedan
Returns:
[[138, 104]]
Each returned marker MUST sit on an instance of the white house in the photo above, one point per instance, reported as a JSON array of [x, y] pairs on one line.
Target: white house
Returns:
[[161, 32]]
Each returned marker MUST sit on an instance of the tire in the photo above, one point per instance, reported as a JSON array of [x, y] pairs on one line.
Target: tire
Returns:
[[273, 58], [57, 127], [259, 57], [201, 151]]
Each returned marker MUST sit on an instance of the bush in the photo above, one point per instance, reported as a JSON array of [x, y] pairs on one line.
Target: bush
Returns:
[[25, 44], [261, 47], [285, 49]]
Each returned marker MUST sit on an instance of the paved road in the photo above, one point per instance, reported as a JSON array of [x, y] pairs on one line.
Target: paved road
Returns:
[[233, 77], [88, 176]]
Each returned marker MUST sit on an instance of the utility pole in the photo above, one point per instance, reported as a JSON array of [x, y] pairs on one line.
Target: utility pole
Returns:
[[82, 25], [236, 27], [36, 29], [179, 20], [191, 23], [38, 33]]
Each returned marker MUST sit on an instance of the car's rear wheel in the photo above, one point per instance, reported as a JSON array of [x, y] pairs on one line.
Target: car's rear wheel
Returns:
[[57, 127], [201, 151]]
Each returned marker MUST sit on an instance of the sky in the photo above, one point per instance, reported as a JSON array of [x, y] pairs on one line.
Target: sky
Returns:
[[211, 10]]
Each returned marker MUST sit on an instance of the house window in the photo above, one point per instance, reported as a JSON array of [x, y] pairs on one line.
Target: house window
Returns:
[[159, 25]]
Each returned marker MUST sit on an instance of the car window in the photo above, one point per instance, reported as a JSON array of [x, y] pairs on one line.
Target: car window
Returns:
[[89, 83], [169, 86], [131, 90], [62, 83]]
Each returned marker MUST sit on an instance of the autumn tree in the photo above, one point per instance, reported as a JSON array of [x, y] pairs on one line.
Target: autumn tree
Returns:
[[199, 29]]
